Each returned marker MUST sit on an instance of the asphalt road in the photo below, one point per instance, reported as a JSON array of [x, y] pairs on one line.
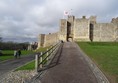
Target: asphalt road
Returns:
[[9, 65], [70, 67]]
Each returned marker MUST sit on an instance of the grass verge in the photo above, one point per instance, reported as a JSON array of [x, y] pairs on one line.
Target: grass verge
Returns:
[[31, 65], [9, 54], [105, 55], [28, 66]]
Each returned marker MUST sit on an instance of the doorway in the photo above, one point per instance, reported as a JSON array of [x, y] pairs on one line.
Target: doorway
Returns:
[[91, 32]]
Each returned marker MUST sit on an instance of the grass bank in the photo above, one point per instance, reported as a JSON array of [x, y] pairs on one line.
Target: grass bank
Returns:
[[28, 66], [9, 54], [31, 65], [105, 55]]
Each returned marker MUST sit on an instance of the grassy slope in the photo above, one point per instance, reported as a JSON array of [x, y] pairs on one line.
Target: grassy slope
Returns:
[[9, 54], [105, 55], [31, 65]]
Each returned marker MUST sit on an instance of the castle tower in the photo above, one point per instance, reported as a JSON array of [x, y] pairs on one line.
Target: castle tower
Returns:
[[81, 29], [63, 30], [70, 27], [92, 24], [67, 28]]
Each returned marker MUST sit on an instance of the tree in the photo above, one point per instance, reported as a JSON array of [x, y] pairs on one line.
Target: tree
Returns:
[[0, 39]]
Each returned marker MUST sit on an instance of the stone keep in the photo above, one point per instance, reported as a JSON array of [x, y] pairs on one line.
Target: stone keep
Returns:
[[82, 29]]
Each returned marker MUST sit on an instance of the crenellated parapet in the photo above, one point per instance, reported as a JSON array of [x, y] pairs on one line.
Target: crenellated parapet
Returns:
[[114, 20], [82, 29]]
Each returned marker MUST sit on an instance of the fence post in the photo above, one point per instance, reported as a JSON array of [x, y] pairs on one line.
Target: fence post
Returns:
[[47, 54], [51, 50], [41, 59], [36, 62]]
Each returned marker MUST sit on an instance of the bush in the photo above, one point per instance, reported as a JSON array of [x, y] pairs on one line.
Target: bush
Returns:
[[0, 52], [13, 46]]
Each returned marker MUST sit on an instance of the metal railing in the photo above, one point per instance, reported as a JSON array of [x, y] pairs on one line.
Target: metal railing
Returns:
[[43, 58]]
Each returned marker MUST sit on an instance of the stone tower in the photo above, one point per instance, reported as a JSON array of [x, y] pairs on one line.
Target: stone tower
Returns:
[[67, 28], [82, 29], [70, 28], [63, 29]]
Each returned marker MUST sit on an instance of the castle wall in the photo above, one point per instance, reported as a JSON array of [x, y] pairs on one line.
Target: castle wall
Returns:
[[50, 39], [81, 29], [104, 32], [116, 34], [92, 19], [115, 22], [41, 40], [63, 30], [71, 21], [47, 39]]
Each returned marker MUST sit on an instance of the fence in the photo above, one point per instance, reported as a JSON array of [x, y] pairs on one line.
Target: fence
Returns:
[[43, 58]]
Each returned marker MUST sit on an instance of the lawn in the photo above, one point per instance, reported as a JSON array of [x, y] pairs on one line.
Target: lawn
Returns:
[[9, 54], [42, 49], [105, 55], [31, 65], [28, 66]]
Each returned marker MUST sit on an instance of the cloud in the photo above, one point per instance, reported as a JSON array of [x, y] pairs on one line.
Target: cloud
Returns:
[[28, 18]]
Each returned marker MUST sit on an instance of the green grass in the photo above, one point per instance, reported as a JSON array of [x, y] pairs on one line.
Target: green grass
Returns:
[[42, 49], [9, 54], [105, 55], [31, 65]]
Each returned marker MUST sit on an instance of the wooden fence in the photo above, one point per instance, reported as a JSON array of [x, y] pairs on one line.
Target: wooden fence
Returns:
[[44, 57]]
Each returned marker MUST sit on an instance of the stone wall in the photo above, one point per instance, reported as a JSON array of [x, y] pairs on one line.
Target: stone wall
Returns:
[[104, 32], [51, 38], [115, 22], [47, 39], [92, 19], [71, 21], [63, 30], [41, 40], [81, 29]]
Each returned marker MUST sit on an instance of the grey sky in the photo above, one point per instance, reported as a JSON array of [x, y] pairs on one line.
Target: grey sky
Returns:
[[28, 18]]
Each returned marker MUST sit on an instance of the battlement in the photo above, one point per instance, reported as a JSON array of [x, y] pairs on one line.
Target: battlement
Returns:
[[93, 19], [114, 20], [82, 29]]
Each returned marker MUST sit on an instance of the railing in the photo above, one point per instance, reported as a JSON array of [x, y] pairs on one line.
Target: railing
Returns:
[[43, 58]]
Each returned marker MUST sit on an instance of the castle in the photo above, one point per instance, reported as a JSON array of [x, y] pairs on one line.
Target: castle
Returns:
[[82, 29]]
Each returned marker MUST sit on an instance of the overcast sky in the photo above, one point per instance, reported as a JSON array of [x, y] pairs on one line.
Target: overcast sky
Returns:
[[28, 18]]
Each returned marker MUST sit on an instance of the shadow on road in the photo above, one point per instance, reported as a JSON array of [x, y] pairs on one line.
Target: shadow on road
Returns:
[[55, 60]]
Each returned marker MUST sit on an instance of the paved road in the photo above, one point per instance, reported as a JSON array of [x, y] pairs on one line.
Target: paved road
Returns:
[[70, 67], [12, 64]]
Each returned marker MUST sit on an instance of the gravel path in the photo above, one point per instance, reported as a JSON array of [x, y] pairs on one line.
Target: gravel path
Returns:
[[18, 76], [7, 66]]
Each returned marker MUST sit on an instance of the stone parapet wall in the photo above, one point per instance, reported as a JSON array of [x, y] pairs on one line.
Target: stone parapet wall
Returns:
[[41, 40], [63, 30], [104, 32], [50, 39], [81, 29]]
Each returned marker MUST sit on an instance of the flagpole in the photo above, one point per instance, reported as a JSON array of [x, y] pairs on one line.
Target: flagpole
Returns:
[[71, 12], [66, 13]]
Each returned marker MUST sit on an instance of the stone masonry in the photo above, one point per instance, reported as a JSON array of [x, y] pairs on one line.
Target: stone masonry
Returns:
[[82, 29]]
